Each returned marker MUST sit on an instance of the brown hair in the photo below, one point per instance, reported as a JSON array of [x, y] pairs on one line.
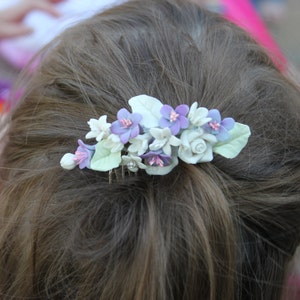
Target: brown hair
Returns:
[[220, 230]]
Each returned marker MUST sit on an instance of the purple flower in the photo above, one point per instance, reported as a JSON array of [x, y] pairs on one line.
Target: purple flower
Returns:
[[127, 125], [83, 154], [219, 127], [174, 119], [157, 158]]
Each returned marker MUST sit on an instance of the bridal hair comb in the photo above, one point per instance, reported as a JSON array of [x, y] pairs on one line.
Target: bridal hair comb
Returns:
[[154, 136]]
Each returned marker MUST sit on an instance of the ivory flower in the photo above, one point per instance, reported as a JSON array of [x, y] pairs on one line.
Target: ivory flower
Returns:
[[198, 115], [67, 161], [196, 146], [99, 128], [133, 163], [139, 144], [163, 140], [113, 143]]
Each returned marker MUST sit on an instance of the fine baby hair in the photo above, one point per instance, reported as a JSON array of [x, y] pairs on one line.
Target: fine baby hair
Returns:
[[221, 229]]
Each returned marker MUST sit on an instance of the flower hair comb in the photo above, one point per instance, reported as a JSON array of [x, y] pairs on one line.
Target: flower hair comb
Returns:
[[155, 135]]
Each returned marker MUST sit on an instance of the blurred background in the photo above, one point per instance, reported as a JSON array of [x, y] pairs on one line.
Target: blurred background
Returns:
[[287, 32], [283, 24]]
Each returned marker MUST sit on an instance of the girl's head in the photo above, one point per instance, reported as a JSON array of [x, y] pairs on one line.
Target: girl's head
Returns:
[[219, 230]]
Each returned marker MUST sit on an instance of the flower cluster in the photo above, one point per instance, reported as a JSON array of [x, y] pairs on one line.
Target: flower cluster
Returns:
[[153, 136]]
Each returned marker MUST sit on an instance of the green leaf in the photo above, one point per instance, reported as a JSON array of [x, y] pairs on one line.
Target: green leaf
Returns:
[[239, 136], [104, 160], [148, 107]]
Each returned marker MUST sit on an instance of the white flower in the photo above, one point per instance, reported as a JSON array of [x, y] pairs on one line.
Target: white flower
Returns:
[[67, 161], [113, 143], [133, 163], [198, 116], [99, 128], [139, 144], [163, 140], [196, 146]]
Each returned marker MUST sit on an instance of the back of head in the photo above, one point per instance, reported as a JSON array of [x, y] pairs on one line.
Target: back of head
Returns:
[[219, 230]]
